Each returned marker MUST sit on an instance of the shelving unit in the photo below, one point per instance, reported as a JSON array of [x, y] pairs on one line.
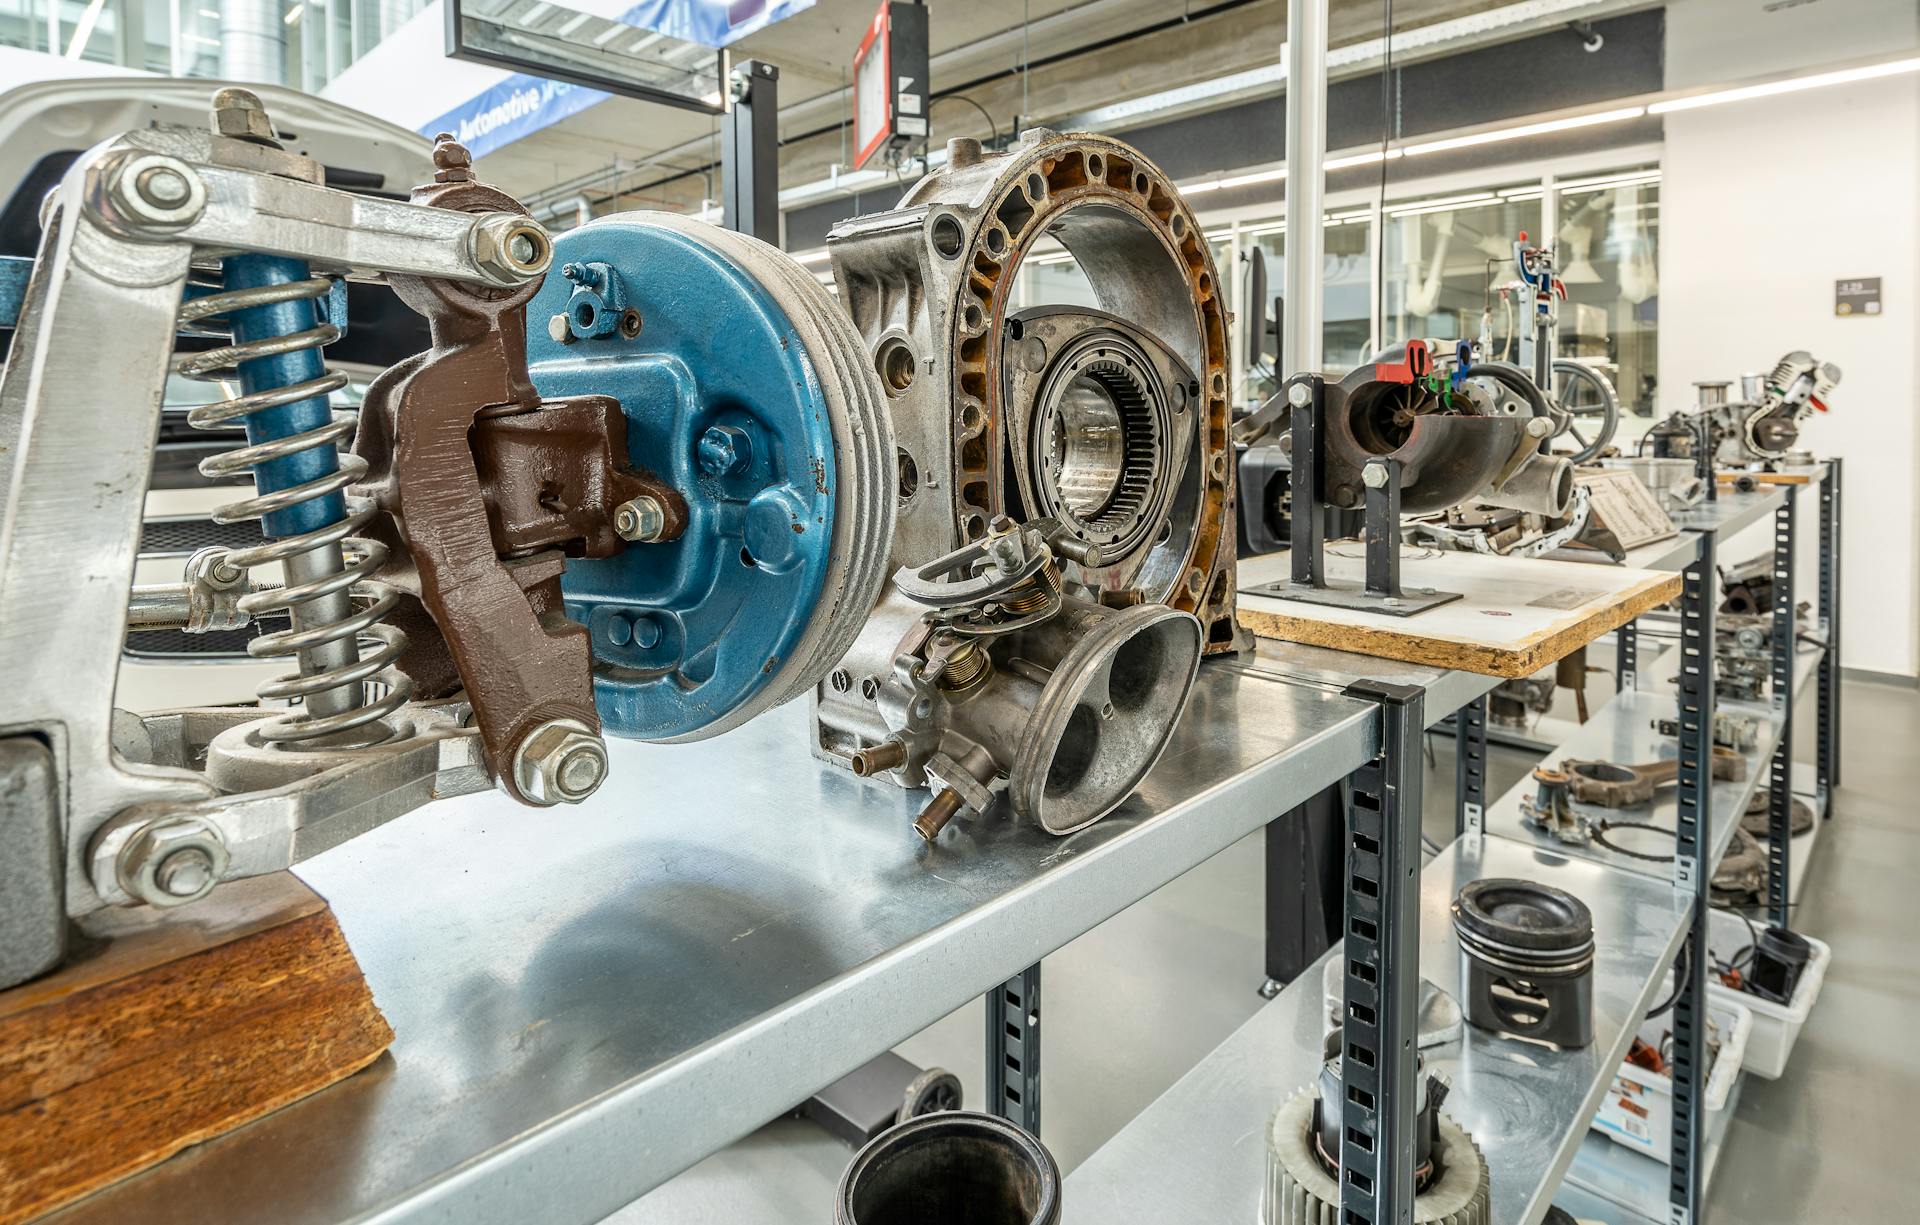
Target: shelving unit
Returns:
[[589, 1002], [1199, 1152]]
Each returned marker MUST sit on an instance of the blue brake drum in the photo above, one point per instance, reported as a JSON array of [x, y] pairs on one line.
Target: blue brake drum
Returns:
[[748, 391]]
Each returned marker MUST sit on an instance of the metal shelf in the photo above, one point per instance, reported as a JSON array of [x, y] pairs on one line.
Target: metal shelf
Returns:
[[1657, 678], [1325, 668], [1622, 731], [588, 1001], [1633, 1187], [1731, 512], [1198, 1153]]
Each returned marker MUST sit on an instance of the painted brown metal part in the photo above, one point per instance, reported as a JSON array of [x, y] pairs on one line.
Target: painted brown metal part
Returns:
[[459, 429]]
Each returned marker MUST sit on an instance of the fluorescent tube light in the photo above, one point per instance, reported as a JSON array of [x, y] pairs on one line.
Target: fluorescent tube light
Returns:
[[1794, 85]]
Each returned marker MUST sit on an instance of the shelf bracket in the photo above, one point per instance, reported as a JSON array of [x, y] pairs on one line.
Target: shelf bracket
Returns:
[[1380, 1019], [1470, 767], [1692, 877], [1780, 768], [1013, 1049], [1828, 754]]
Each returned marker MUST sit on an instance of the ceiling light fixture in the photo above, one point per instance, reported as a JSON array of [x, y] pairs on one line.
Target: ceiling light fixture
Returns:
[[1794, 85], [1527, 129]]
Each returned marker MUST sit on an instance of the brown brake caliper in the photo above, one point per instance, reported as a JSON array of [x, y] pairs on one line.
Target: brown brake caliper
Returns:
[[486, 489]]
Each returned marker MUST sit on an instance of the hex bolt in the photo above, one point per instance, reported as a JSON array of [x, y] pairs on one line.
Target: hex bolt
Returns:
[[1374, 475], [1299, 395], [172, 861], [642, 519], [561, 761], [934, 817], [164, 186], [1539, 427], [186, 873], [510, 248], [240, 114], [725, 450], [557, 328]]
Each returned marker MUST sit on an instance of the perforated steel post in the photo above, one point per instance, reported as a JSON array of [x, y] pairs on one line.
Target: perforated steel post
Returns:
[[1470, 766], [1780, 768], [1626, 656], [1378, 1059], [1692, 877], [1013, 1049], [1828, 755]]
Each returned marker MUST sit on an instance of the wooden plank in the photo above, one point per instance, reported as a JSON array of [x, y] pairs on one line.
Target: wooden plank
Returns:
[[1516, 615], [174, 1028]]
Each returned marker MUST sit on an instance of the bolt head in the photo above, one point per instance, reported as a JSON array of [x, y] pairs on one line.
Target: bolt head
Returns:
[[185, 873], [557, 328], [560, 762], [1299, 395], [173, 861], [164, 186], [240, 114], [1374, 476], [725, 450], [510, 248], [642, 519], [1539, 427]]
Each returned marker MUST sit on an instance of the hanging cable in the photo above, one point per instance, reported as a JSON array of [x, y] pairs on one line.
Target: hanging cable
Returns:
[[984, 113]]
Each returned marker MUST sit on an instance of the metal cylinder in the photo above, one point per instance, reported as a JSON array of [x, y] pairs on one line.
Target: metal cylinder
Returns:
[[1306, 181], [1543, 484], [253, 41], [263, 325], [953, 1167]]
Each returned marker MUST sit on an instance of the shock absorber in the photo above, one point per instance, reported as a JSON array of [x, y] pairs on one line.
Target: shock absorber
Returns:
[[269, 307]]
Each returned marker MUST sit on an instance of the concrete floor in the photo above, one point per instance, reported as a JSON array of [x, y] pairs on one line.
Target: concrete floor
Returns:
[[1130, 1006]]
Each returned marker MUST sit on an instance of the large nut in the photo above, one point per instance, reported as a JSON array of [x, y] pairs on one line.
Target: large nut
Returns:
[[173, 861], [155, 191], [240, 114], [560, 762], [510, 248], [641, 519]]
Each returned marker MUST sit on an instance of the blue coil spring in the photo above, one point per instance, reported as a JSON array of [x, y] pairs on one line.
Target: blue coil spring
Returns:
[[266, 308]]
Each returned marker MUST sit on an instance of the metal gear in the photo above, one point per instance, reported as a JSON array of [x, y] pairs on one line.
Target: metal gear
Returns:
[[1300, 1192]]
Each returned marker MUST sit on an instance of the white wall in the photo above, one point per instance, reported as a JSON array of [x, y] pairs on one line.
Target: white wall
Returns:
[[1764, 204]]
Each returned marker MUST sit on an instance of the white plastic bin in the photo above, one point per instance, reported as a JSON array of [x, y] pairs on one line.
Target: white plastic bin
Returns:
[[1776, 1027], [1637, 1112]]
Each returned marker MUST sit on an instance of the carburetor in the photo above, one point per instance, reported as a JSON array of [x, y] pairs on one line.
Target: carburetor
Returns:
[[1064, 484]]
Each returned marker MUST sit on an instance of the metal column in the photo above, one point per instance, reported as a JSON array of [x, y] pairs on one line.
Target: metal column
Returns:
[[1306, 182], [1828, 753], [1780, 768], [750, 153], [1382, 992], [1013, 1049], [1692, 877], [1470, 766], [1626, 656], [1305, 875]]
